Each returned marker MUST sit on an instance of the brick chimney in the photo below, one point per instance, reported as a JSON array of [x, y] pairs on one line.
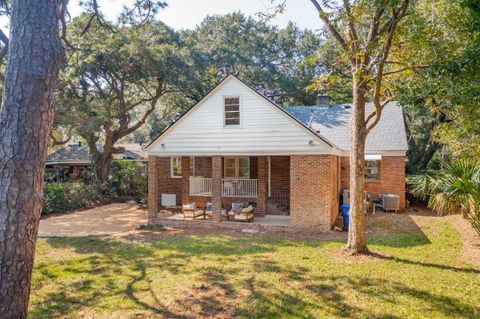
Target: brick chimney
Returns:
[[323, 100]]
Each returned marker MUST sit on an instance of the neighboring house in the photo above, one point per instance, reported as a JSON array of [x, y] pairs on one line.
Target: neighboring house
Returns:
[[236, 145], [73, 161]]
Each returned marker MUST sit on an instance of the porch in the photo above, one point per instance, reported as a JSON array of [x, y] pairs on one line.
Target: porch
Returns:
[[260, 181], [267, 220], [285, 190], [172, 217]]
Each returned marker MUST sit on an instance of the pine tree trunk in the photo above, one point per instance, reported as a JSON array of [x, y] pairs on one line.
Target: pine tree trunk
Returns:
[[357, 242], [35, 56]]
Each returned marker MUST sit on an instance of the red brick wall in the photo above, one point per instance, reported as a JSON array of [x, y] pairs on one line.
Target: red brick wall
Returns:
[[280, 176], [313, 189], [392, 177], [166, 184]]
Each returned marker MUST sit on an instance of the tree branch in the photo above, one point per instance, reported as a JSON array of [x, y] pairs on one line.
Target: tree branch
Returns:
[[56, 142], [323, 16], [414, 68], [397, 15], [126, 131]]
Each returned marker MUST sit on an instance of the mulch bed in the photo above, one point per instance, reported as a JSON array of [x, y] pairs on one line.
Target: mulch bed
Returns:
[[470, 238], [344, 256]]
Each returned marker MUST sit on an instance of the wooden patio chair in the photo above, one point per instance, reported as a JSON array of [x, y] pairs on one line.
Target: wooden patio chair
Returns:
[[190, 211], [244, 214], [209, 211]]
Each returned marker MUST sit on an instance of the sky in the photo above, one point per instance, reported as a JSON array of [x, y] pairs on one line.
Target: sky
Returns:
[[186, 14]]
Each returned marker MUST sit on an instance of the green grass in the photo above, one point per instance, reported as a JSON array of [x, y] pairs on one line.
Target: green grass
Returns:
[[245, 277]]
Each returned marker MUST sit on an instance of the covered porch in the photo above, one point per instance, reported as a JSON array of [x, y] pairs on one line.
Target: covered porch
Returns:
[[297, 191], [260, 181]]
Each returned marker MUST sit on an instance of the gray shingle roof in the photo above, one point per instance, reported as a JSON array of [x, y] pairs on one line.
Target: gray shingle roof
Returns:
[[332, 122], [80, 154]]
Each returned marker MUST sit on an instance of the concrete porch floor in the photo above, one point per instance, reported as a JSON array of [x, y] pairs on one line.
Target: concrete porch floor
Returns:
[[268, 220]]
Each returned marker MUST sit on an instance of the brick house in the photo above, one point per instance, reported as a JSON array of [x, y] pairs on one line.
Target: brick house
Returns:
[[235, 145]]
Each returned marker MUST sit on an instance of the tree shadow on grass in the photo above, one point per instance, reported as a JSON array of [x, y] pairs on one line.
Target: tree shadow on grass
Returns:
[[327, 296], [232, 283], [395, 230], [119, 269]]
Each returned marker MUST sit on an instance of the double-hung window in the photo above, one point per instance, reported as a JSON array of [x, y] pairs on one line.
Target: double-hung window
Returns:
[[372, 169], [237, 167], [175, 167], [232, 111]]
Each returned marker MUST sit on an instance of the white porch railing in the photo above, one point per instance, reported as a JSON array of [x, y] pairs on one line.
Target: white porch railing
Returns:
[[231, 187], [239, 187], [200, 186]]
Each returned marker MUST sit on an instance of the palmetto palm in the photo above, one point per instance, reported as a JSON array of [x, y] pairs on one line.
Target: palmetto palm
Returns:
[[453, 189]]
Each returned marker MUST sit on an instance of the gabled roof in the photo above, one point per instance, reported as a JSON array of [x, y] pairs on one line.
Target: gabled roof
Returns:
[[332, 122], [76, 153], [186, 113]]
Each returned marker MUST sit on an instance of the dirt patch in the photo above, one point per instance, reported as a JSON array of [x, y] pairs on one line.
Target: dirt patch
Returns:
[[397, 223], [344, 256], [99, 221], [471, 240]]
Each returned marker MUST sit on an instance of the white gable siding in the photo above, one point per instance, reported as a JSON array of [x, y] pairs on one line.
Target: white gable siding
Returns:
[[264, 129]]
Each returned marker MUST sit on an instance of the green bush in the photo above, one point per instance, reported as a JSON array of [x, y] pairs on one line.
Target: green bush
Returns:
[[128, 178], [62, 197]]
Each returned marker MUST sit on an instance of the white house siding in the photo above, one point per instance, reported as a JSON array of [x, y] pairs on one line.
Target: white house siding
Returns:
[[264, 128]]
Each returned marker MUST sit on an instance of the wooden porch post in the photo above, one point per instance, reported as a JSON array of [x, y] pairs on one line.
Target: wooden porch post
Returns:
[[217, 188]]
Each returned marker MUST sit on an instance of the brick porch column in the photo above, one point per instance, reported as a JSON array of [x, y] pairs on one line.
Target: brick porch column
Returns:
[[217, 188], [153, 199], [185, 179], [260, 210], [312, 191]]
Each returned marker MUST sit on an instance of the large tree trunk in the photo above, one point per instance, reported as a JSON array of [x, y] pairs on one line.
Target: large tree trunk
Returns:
[[357, 242], [102, 167], [26, 117]]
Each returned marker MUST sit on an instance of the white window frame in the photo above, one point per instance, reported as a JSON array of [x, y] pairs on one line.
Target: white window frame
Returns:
[[179, 161], [379, 170], [239, 111], [237, 166]]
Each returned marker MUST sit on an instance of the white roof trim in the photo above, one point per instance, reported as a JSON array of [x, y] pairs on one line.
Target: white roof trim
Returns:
[[373, 157]]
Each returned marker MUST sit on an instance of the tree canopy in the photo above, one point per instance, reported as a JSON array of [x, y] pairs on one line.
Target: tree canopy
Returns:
[[113, 81]]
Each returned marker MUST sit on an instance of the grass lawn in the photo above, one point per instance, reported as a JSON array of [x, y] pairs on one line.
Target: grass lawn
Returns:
[[192, 276]]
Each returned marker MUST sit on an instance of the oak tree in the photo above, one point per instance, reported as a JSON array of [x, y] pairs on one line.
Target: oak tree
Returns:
[[112, 83]]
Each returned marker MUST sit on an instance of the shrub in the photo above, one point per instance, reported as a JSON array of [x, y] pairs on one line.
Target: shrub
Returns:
[[128, 178], [453, 189], [62, 197]]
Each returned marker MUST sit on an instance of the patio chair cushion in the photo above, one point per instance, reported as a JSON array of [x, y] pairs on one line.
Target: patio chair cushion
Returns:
[[192, 213], [248, 209], [236, 207], [209, 207], [243, 216], [189, 206]]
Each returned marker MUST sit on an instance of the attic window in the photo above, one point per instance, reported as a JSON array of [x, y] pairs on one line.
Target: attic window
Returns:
[[232, 111]]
